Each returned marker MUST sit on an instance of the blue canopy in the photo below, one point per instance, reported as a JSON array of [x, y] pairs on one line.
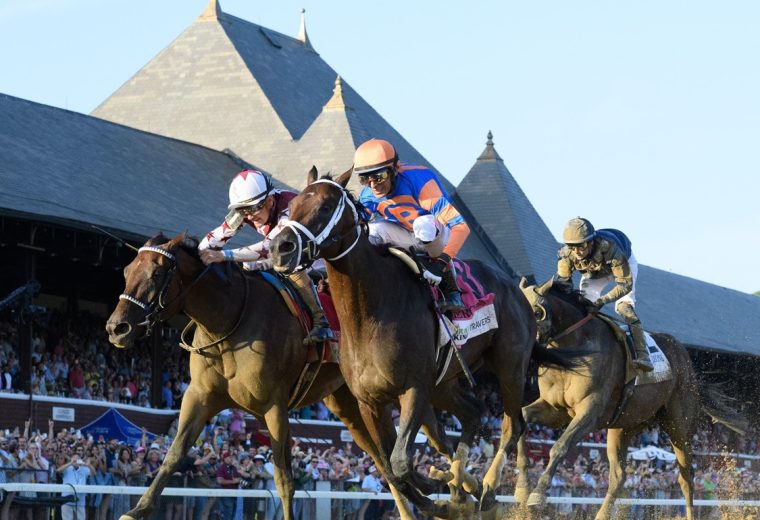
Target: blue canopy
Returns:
[[113, 424]]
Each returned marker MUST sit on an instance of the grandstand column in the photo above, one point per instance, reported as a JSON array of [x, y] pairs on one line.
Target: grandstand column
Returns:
[[25, 318]]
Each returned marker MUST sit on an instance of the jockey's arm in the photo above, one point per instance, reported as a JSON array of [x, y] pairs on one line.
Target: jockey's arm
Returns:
[[565, 269], [623, 279], [459, 233]]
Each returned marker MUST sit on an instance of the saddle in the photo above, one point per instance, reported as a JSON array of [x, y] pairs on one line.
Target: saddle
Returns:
[[633, 377]]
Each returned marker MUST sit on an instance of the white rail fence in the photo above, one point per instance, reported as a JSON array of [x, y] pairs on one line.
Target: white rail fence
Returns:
[[340, 495]]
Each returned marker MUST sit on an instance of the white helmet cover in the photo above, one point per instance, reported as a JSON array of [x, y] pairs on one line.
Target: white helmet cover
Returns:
[[248, 188]]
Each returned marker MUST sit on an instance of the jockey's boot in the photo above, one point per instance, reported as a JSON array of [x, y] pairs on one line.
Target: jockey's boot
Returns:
[[452, 296], [320, 331], [642, 360]]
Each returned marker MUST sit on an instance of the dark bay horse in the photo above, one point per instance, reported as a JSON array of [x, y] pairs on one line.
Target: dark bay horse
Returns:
[[586, 400], [248, 354], [389, 335]]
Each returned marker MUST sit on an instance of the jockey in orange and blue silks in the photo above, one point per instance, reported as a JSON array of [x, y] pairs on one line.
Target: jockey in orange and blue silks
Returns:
[[255, 202], [410, 209]]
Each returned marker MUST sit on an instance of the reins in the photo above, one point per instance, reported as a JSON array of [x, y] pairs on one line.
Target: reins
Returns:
[[199, 350], [572, 328]]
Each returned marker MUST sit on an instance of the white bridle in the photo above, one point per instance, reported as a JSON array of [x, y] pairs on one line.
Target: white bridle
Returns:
[[312, 244]]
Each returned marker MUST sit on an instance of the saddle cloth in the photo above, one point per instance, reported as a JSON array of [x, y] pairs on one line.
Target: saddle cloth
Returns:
[[661, 372], [299, 309], [479, 315]]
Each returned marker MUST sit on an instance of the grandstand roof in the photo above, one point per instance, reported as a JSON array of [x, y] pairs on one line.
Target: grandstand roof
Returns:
[[73, 168], [270, 98]]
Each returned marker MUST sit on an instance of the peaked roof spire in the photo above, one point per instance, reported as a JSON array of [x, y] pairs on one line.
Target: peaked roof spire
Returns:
[[336, 101], [303, 36], [490, 152], [213, 11]]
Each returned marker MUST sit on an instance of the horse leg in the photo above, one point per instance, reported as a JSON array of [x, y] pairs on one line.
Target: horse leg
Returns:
[[679, 425], [467, 408], [276, 419], [617, 451], [377, 419], [586, 413], [343, 404], [197, 408], [538, 412]]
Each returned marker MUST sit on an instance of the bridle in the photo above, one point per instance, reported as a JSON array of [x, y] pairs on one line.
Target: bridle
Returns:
[[308, 244], [551, 341], [154, 308]]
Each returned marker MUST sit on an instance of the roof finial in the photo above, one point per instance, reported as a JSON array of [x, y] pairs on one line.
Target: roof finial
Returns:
[[336, 101], [490, 152], [213, 10], [303, 36]]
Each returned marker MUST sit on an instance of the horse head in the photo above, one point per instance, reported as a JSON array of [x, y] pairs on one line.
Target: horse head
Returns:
[[323, 223], [150, 290], [536, 296]]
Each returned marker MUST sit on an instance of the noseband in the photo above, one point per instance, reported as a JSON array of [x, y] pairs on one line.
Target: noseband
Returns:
[[309, 244], [154, 308]]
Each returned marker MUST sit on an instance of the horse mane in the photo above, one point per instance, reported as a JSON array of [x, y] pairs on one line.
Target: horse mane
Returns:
[[574, 298], [189, 245]]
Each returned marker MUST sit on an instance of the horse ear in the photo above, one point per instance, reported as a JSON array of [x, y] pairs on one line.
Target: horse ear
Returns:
[[345, 177], [545, 288], [312, 175], [179, 239], [523, 283]]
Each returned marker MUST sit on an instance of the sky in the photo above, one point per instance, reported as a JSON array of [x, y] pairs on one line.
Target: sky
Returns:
[[642, 116]]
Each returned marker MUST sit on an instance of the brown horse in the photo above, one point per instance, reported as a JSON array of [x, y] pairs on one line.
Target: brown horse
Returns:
[[247, 353], [587, 399], [389, 334]]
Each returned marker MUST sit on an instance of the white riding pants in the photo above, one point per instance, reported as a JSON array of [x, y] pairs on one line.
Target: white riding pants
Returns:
[[425, 228], [592, 288]]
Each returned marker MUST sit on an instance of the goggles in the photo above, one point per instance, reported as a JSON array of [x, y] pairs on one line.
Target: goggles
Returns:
[[578, 247], [376, 177], [256, 208]]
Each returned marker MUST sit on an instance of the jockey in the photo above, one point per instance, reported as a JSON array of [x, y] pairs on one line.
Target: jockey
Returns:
[[255, 202], [411, 209], [602, 256]]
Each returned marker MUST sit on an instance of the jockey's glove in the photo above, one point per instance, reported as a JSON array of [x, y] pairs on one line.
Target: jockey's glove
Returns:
[[596, 306]]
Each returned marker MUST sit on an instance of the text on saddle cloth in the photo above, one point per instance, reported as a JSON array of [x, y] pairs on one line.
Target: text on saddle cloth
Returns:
[[662, 371], [479, 315]]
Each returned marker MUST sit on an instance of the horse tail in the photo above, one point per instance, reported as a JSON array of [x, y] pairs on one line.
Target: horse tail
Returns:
[[719, 407], [563, 359]]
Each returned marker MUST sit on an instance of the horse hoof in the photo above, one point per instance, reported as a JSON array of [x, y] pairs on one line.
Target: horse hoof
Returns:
[[487, 500], [441, 509], [521, 495], [536, 499]]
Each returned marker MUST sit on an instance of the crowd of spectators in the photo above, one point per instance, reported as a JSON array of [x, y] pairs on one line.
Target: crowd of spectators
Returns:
[[71, 357]]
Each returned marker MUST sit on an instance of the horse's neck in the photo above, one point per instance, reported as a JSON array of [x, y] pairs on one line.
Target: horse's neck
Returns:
[[362, 285], [564, 315], [211, 302]]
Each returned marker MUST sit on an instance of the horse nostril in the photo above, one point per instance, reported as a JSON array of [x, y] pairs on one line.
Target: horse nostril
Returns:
[[286, 247], [121, 329]]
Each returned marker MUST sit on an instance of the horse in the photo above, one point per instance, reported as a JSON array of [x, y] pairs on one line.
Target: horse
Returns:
[[389, 335], [587, 399], [247, 353]]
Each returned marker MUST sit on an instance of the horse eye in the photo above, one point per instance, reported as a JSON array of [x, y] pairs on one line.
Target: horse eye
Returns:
[[325, 209]]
